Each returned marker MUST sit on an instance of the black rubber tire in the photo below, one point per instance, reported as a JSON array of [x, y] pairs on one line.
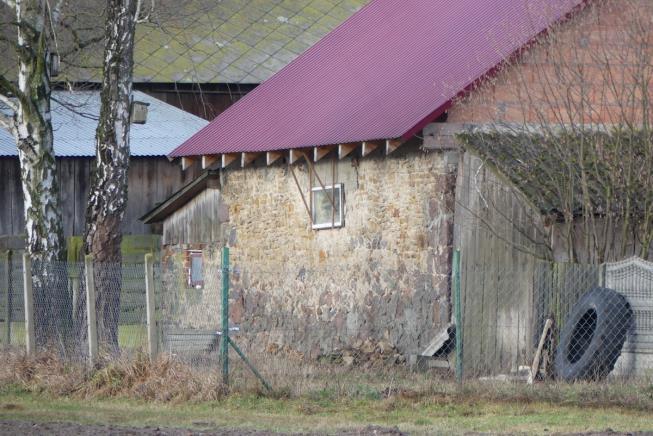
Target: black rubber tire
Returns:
[[593, 336]]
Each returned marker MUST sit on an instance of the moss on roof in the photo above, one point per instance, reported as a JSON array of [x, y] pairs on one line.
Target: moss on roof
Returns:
[[220, 41]]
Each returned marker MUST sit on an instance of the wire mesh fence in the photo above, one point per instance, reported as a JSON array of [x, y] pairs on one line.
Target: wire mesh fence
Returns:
[[59, 306], [188, 312], [535, 319], [548, 320]]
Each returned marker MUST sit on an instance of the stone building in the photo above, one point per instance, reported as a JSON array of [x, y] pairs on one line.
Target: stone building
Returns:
[[341, 188]]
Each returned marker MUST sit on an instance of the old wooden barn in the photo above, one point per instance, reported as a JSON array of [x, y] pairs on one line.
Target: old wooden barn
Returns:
[[152, 177]]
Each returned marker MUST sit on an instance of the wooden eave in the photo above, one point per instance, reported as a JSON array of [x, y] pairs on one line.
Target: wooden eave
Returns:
[[181, 197], [294, 155]]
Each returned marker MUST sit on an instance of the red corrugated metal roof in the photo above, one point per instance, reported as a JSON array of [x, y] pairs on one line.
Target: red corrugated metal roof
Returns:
[[383, 73]]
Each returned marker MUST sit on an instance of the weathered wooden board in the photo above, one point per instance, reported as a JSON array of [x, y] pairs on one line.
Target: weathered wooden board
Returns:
[[497, 231], [200, 221], [151, 180], [11, 198]]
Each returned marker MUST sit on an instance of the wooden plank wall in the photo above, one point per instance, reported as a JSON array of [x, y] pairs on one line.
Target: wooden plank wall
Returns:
[[198, 222], [12, 221], [151, 181], [496, 230]]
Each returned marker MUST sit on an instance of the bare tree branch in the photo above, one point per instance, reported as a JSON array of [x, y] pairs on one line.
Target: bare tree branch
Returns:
[[137, 16], [10, 3]]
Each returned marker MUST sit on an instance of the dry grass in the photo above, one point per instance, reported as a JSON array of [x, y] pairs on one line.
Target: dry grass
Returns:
[[302, 379], [134, 377], [168, 380], [307, 398]]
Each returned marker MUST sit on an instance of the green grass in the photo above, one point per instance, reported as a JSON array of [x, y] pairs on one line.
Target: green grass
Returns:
[[129, 336], [320, 412], [132, 336]]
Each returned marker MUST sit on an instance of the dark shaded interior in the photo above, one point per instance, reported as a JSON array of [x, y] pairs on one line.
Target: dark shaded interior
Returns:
[[582, 336]]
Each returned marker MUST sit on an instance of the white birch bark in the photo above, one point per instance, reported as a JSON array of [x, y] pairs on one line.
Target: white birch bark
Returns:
[[31, 127], [108, 193]]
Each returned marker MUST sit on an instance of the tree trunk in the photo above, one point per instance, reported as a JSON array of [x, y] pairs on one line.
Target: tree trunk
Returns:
[[108, 193], [33, 135]]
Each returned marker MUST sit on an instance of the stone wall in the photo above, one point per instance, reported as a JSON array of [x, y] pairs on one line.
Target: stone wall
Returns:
[[382, 278]]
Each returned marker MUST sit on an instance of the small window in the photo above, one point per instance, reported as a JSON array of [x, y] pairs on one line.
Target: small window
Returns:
[[327, 214], [195, 273]]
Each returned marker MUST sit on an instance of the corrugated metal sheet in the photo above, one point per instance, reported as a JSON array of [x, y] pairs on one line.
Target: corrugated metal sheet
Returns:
[[389, 68], [74, 120]]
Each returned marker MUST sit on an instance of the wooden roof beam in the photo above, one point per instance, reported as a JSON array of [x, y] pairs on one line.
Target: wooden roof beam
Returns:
[[272, 156], [320, 152], [247, 158], [346, 149], [294, 154], [209, 159], [228, 158], [369, 147], [187, 162], [391, 145]]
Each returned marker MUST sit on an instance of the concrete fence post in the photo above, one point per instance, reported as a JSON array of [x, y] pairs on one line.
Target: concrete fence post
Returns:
[[455, 273], [90, 308], [6, 288], [152, 340], [224, 340], [74, 280], [29, 305]]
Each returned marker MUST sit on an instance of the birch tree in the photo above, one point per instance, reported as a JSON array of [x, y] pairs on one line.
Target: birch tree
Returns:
[[27, 117], [108, 192]]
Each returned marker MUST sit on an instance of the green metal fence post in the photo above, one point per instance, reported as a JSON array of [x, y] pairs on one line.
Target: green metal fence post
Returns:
[[455, 272], [6, 288], [224, 343]]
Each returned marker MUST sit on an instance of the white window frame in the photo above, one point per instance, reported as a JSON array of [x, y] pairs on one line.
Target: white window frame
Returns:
[[339, 220]]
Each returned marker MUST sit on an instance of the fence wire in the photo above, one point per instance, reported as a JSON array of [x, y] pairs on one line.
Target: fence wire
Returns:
[[188, 312], [60, 311], [537, 320], [554, 320]]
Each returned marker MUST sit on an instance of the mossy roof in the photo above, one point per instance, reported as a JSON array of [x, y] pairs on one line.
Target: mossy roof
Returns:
[[220, 41]]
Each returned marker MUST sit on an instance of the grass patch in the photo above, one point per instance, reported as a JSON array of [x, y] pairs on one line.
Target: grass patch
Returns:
[[130, 336], [136, 392], [424, 416]]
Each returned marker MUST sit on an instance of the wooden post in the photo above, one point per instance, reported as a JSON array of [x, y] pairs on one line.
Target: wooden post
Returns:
[[5, 286], [152, 341], [90, 308], [538, 353], [29, 304]]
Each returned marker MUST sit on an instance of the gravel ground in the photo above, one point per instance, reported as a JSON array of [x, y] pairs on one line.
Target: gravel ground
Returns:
[[15, 428]]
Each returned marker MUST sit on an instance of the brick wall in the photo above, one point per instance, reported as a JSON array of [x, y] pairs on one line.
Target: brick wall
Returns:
[[585, 72]]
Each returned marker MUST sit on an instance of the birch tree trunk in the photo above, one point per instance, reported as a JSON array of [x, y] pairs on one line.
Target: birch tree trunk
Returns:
[[108, 193], [32, 131]]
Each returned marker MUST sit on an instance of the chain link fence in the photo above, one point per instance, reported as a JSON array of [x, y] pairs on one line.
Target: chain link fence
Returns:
[[545, 320], [188, 311], [527, 321], [59, 306]]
